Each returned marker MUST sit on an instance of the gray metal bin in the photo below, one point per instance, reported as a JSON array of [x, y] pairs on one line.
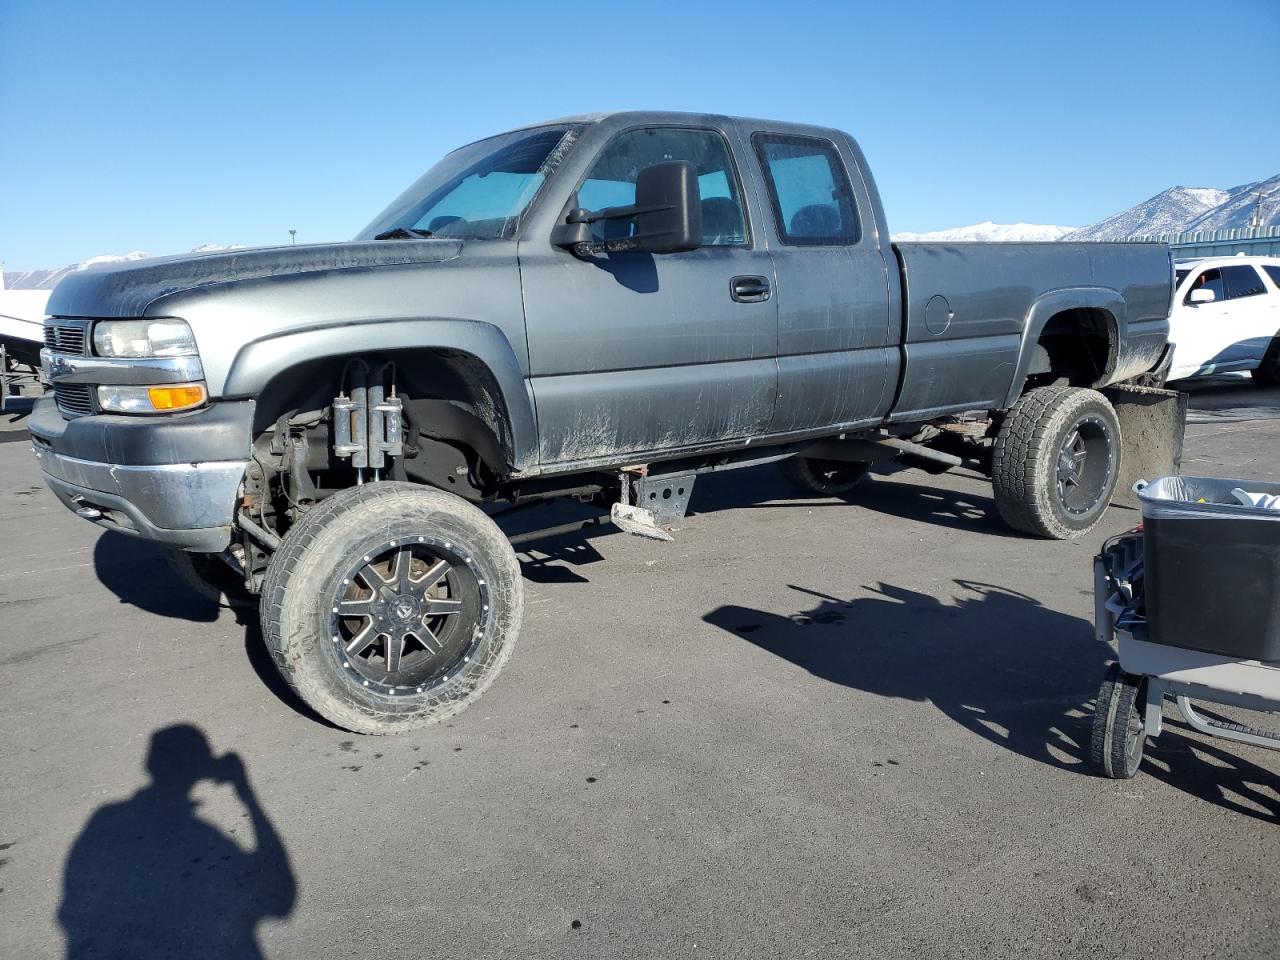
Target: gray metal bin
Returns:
[[1212, 567]]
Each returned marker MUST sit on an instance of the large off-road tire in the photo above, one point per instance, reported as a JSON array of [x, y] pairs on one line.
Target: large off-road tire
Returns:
[[1267, 373], [209, 577], [1119, 731], [826, 478], [1055, 462], [391, 606]]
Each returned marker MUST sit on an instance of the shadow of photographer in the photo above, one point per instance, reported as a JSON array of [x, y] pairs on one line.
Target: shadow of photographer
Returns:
[[148, 877]]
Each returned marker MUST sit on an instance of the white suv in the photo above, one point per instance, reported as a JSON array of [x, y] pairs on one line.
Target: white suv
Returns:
[[1226, 316]]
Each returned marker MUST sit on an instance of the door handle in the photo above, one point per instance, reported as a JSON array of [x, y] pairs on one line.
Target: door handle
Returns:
[[749, 289]]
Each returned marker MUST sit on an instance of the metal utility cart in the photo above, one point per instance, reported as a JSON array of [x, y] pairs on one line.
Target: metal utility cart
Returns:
[[1192, 601]]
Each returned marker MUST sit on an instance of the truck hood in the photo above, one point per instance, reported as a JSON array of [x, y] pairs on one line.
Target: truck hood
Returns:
[[126, 289]]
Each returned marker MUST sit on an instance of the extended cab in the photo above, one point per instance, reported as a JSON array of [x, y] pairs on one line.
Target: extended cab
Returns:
[[601, 307]]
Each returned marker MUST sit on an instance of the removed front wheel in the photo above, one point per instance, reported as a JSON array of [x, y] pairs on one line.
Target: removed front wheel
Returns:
[[1055, 462], [391, 606], [826, 478]]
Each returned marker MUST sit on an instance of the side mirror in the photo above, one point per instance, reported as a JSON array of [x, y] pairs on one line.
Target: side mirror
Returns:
[[1202, 295], [667, 214]]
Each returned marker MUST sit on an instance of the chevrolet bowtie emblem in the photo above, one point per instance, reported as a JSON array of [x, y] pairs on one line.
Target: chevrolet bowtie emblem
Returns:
[[55, 365]]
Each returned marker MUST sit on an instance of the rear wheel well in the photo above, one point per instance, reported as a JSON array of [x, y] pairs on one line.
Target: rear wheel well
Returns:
[[1076, 348]]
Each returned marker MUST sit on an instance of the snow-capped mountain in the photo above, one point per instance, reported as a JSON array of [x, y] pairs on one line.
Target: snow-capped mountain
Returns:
[[1176, 210], [1167, 212], [1241, 205], [217, 247], [1183, 209], [47, 279], [1006, 232]]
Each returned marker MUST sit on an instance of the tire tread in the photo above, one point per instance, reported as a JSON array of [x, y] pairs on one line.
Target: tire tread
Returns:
[[1117, 706], [1023, 452], [298, 550]]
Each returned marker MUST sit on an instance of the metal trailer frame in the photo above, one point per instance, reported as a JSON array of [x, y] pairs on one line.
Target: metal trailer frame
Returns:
[[9, 377], [1183, 675]]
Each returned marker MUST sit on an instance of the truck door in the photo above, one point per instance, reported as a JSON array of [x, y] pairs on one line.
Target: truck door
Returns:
[[634, 353], [837, 342]]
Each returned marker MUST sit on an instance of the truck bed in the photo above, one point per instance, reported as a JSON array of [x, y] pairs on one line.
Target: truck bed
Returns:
[[967, 306]]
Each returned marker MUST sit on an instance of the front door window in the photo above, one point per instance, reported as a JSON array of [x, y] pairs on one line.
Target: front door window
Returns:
[[612, 180]]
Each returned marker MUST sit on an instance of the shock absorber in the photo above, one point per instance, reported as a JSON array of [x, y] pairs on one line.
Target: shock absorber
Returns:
[[368, 425]]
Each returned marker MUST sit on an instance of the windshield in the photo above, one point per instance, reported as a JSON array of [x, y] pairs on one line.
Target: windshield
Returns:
[[478, 192]]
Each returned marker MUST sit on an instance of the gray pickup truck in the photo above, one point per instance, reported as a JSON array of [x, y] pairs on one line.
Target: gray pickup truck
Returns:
[[603, 307]]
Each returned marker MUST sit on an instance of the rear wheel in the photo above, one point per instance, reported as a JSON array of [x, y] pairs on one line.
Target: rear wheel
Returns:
[[392, 606], [1055, 462], [827, 478], [1268, 372]]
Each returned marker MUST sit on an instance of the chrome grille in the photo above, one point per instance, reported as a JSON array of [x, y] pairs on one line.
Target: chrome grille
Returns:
[[74, 399], [65, 338]]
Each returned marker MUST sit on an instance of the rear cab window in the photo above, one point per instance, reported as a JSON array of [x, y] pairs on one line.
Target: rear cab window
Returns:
[[1273, 272], [809, 190]]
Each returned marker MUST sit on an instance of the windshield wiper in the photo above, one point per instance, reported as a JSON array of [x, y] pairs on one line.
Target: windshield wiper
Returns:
[[404, 233]]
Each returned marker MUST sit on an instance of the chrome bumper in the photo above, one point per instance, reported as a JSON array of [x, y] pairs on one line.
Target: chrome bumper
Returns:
[[189, 505]]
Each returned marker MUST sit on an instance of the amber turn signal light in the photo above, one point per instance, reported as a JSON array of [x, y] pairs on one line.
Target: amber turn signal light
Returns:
[[176, 398]]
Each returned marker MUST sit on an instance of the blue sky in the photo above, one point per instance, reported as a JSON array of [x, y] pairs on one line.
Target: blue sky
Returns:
[[163, 125]]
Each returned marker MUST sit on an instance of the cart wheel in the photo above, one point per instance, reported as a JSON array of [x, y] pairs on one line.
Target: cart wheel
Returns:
[[1118, 725]]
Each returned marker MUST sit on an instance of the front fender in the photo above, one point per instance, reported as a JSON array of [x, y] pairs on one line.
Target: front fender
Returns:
[[1050, 305], [257, 362]]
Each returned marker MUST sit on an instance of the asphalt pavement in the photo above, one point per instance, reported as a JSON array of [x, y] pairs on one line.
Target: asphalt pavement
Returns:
[[805, 728]]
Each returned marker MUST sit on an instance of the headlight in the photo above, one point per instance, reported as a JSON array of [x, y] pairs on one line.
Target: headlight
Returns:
[[169, 398], [140, 339]]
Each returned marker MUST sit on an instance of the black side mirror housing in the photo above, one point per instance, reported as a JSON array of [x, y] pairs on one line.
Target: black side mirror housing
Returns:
[[667, 214], [670, 204]]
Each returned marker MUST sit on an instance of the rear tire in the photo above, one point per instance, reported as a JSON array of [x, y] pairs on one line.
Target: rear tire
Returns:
[[1268, 372], [1119, 730], [826, 478], [1056, 461], [392, 606]]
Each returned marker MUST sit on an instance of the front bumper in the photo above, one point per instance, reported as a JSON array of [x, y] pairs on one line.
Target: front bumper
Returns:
[[174, 481]]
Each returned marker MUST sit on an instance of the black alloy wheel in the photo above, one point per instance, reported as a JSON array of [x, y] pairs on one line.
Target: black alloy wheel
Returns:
[[407, 613], [1085, 466]]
